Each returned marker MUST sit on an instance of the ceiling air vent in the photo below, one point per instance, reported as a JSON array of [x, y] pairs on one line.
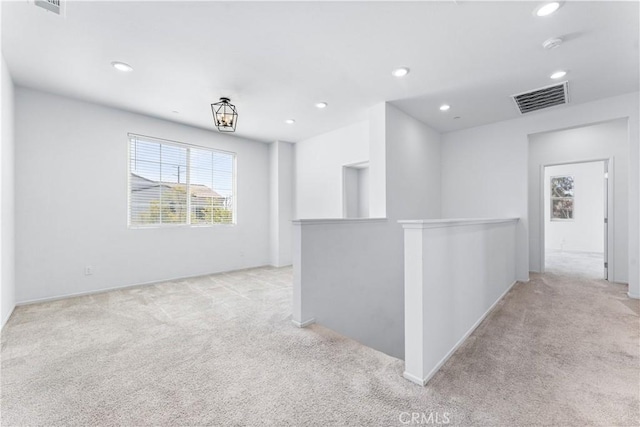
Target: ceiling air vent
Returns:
[[545, 97], [54, 6]]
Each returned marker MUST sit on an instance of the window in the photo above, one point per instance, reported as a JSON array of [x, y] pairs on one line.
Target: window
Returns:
[[178, 184], [562, 196]]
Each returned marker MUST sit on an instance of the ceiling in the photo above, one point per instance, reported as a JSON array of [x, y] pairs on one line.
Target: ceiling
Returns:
[[275, 60]]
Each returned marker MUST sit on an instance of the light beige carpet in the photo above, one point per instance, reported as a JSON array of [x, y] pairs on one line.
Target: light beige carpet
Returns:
[[220, 350]]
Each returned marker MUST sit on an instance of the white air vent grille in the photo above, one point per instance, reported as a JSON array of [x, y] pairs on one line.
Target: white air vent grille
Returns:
[[544, 97], [54, 6]]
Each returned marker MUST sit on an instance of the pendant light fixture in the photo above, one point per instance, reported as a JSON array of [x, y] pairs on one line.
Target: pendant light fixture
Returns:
[[225, 115]]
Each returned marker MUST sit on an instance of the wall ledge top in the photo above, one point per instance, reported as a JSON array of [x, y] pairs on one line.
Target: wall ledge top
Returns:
[[454, 222], [337, 221]]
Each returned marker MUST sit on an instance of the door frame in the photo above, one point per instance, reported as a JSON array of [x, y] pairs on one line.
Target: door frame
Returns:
[[357, 165], [609, 227]]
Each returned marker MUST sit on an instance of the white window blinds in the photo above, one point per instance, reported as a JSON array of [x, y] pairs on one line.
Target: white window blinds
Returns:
[[172, 183]]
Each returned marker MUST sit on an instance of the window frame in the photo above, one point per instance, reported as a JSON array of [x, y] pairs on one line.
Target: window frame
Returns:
[[187, 146], [572, 198]]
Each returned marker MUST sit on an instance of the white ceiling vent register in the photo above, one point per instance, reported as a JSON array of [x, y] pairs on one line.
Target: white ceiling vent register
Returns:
[[545, 97], [55, 6]]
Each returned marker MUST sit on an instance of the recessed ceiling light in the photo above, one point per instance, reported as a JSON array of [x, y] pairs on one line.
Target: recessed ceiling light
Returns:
[[321, 105], [175, 111], [444, 107], [558, 74], [289, 121], [547, 9], [121, 66], [400, 72]]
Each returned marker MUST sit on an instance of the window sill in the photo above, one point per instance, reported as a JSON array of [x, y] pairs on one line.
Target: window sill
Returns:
[[170, 226]]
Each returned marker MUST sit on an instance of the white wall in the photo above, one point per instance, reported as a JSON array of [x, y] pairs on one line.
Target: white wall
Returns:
[[410, 149], [351, 272], [413, 167], [378, 160], [351, 192], [484, 176], [318, 169], [71, 199], [455, 273], [363, 192], [7, 198], [348, 277], [485, 171], [355, 183], [598, 141], [585, 231], [634, 205], [274, 221], [285, 203], [281, 202]]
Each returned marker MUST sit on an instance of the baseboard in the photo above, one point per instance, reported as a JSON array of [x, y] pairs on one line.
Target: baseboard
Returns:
[[119, 288], [633, 296], [303, 324], [414, 379], [425, 380], [280, 266], [7, 317]]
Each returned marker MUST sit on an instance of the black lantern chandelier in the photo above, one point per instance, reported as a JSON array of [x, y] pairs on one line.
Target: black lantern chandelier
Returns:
[[225, 115]]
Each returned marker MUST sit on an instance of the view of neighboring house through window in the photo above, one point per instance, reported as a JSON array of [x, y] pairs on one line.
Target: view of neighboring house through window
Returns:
[[562, 198], [171, 183]]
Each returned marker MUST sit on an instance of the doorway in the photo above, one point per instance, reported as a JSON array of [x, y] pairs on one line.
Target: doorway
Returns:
[[355, 190], [575, 219]]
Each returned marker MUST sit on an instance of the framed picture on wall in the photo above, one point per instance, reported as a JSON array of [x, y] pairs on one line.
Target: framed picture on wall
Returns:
[[562, 198]]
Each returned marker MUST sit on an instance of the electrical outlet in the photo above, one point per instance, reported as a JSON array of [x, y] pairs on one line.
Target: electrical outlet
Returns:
[[88, 270]]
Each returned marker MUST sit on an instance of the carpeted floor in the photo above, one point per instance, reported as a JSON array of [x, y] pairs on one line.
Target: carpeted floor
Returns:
[[220, 350]]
